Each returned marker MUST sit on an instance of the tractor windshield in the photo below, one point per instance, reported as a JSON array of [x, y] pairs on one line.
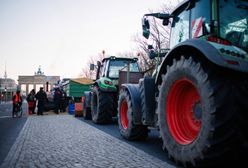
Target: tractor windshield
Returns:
[[233, 15], [116, 65]]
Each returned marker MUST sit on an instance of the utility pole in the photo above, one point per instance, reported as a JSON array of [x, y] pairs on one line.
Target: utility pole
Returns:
[[1, 90], [5, 89]]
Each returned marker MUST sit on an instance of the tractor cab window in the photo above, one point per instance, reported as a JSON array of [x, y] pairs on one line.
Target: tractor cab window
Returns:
[[180, 28], [200, 19], [117, 65], [103, 70], [233, 20]]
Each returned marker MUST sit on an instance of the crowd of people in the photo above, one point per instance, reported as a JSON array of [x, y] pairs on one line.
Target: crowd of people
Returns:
[[33, 97], [59, 101]]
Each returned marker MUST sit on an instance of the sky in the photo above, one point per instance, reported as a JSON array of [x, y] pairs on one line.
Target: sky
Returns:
[[61, 35]]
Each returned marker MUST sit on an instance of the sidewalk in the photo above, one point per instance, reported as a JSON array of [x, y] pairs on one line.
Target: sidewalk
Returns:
[[63, 141]]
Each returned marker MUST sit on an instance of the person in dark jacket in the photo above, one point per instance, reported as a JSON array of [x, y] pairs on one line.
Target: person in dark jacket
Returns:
[[41, 96], [63, 103], [31, 102], [57, 100]]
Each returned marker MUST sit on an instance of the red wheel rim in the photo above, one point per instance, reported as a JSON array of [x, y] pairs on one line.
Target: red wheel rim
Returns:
[[124, 118], [183, 111]]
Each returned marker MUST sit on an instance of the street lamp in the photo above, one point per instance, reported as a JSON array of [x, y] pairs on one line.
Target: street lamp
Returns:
[[5, 91], [1, 92]]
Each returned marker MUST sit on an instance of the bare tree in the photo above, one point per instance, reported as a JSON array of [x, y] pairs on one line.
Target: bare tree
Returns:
[[159, 37], [86, 72]]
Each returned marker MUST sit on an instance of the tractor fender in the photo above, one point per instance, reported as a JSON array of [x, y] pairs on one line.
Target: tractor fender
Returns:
[[134, 92], [87, 95], [212, 52]]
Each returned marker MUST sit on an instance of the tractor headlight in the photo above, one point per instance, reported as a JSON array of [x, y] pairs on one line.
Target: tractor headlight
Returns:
[[108, 82]]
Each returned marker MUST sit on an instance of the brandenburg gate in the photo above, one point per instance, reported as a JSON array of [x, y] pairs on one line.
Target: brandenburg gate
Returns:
[[27, 83]]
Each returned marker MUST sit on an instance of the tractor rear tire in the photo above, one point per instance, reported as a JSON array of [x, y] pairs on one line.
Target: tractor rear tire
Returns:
[[197, 114], [102, 106], [127, 128], [241, 98]]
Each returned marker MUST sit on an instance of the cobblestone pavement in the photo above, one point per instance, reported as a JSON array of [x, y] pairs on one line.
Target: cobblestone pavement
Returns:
[[64, 142]]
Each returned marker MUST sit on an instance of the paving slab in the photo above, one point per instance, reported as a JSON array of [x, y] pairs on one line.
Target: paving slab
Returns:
[[63, 141]]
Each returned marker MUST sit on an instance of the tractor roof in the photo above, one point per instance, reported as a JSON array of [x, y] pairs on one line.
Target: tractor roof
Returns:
[[120, 58], [181, 5]]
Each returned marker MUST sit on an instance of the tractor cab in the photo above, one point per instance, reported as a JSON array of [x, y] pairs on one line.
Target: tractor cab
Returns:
[[194, 20], [114, 71], [207, 20], [234, 27], [111, 66]]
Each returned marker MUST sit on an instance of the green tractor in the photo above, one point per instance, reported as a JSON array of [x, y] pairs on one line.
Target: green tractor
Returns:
[[100, 104], [197, 98]]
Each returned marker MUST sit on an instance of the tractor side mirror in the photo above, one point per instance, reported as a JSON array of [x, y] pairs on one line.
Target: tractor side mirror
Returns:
[[92, 66], [146, 28]]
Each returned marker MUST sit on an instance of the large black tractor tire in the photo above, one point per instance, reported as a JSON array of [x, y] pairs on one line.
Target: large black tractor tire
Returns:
[[197, 114], [127, 128], [102, 106], [241, 83], [115, 100]]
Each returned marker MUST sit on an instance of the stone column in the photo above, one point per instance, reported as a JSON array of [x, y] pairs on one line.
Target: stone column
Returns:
[[27, 91]]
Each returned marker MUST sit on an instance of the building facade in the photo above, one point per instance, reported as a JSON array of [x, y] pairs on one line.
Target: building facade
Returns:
[[7, 89]]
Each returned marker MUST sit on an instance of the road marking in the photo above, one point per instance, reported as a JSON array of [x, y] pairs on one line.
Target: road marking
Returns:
[[5, 116]]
